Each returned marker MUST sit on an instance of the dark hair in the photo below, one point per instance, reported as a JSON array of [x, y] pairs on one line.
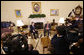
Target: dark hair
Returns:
[[30, 46], [53, 19], [61, 30], [32, 22]]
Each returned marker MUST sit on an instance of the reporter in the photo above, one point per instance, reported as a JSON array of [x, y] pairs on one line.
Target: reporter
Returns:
[[31, 51], [59, 42]]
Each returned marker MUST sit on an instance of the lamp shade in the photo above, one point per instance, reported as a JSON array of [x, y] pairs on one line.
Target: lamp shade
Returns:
[[19, 23], [61, 20]]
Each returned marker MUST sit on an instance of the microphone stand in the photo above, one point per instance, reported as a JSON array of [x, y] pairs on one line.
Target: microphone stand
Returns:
[[38, 41]]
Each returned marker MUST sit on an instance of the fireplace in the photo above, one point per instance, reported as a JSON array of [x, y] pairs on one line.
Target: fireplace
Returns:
[[39, 25], [39, 22]]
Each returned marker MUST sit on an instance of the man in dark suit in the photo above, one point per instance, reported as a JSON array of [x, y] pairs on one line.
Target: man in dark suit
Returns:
[[47, 28], [32, 30]]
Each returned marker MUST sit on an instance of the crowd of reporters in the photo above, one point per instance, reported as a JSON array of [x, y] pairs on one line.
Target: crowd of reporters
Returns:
[[63, 42]]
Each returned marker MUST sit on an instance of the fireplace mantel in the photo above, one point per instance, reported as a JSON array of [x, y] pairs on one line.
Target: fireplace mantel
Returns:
[[35, 20]]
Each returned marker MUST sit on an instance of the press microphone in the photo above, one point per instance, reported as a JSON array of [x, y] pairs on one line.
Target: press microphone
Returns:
[[38, 41]]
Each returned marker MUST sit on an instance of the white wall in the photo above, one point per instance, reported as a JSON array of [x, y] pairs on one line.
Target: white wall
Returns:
[[8, 9]]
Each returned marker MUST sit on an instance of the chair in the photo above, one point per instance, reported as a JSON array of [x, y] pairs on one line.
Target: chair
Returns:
[[45, 42], [31, 34]]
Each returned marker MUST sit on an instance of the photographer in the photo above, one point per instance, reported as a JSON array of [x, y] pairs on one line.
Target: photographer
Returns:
[[59, 41], [31, 51], [16, 44]]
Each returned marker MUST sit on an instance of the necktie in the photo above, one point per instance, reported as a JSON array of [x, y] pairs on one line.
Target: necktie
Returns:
[[47, 26]]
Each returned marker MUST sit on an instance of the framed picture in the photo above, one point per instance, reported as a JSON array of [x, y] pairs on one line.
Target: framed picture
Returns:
[[54, 12], [18, 13], [36, 6]]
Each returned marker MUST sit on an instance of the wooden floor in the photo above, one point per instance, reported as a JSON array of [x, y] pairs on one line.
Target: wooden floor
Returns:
[[34, 41], [39, 46]]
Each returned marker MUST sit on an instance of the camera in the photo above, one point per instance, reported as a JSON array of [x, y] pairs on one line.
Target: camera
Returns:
[[15, 44]]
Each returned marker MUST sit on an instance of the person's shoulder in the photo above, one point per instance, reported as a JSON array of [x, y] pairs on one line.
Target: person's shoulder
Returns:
[[30, 25], [35, 52], [55, 36]]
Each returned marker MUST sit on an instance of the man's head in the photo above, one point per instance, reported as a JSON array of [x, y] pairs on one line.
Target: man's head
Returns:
[[61, 30], [30, 47], [47, 22], [32, 23], [53, 20]]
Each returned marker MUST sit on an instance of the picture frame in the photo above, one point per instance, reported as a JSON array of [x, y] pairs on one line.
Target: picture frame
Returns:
[[54, 12], [36, 7], [18, 13]]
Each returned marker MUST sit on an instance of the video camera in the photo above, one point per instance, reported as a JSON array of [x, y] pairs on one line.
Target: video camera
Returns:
[[15, 44]]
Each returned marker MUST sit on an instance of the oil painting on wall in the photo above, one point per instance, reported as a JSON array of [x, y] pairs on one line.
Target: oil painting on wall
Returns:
[[54, 12], [18, 13]]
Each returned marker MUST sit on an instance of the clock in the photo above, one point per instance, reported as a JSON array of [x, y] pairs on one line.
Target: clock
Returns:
[[78, 10]]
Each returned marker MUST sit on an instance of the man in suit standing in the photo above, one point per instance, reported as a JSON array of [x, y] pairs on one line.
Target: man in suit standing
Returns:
[[32, 30], [47, 28]]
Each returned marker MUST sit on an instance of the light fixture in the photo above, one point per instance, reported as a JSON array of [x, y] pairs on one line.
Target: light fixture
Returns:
[[61, 21], [19, 25]]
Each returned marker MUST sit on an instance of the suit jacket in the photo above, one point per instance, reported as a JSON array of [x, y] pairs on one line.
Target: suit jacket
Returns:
[[32, 28], [49, 26]]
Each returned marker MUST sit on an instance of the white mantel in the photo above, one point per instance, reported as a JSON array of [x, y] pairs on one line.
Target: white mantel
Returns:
[[35, 20]]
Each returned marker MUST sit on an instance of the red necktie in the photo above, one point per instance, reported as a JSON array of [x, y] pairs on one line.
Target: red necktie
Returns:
[[47, 26]]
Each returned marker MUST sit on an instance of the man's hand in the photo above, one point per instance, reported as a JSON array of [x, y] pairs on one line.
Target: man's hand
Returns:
[[69, 24], [33, 31]]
